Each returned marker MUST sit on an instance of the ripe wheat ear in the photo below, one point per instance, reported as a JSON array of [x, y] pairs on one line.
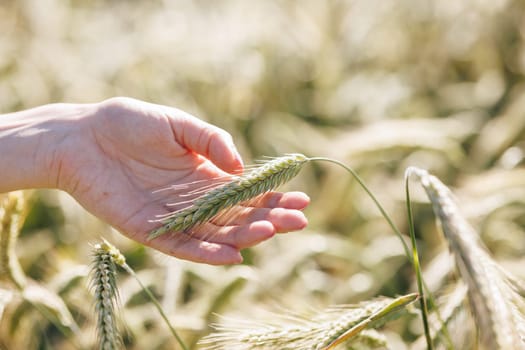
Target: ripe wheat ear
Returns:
[[494, 295]]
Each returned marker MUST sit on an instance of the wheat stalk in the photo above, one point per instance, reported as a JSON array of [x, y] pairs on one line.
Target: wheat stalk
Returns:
[[103, 282], [12, 213], [323, 331], [498, 308], [259, 180]]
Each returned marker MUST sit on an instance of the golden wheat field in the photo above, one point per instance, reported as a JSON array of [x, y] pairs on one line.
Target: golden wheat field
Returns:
[[378, 85]]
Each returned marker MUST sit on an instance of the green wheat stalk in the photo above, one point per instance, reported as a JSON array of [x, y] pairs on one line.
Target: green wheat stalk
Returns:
[[450, 306], [417, 266]]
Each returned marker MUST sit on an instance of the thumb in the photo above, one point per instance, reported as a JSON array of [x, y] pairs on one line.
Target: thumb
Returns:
[[209, 141]]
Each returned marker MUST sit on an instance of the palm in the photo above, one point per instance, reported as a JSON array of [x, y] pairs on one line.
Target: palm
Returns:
[[117, 172]]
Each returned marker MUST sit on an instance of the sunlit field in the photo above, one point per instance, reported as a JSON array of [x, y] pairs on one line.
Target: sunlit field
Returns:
[[379, 85]]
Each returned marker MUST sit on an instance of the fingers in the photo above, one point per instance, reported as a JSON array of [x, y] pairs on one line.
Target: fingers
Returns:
[[190, 248], [218, 242], [251, 226], [282, 210], [282, 219], [289, 200], [240, 237], [212, 244], [209, 141]]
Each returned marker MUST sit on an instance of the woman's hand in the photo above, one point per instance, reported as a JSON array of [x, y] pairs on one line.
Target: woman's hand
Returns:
[[113, 160]]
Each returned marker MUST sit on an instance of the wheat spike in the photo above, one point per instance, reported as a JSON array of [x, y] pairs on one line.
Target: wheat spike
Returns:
[[103, 282], [498, 309], [323, 331], [107, 255], [259, 180]]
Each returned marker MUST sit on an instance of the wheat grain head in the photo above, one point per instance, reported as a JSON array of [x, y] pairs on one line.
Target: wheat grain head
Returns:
[[259, 180], [104, 285], [322, 331], [498, 308]]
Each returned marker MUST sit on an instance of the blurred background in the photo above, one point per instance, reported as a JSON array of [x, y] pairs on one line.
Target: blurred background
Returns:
[[378, 84]]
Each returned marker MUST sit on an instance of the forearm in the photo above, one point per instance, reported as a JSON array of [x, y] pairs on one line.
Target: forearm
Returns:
[[31, 143]]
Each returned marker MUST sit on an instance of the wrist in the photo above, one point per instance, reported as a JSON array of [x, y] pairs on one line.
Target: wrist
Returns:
[[33, 144]]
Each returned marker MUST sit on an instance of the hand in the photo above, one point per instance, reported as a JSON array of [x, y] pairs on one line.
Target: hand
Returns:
[[126, 150]]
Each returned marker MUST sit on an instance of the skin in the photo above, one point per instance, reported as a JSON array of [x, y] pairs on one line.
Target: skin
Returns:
[[114, 156]]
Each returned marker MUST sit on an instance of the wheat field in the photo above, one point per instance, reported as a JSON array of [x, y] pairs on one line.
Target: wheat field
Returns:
[[379, 85]]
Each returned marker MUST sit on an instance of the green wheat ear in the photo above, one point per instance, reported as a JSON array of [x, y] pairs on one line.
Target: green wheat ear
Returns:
[[103, 281], [104, 284], [323, 331], [260, 180]]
